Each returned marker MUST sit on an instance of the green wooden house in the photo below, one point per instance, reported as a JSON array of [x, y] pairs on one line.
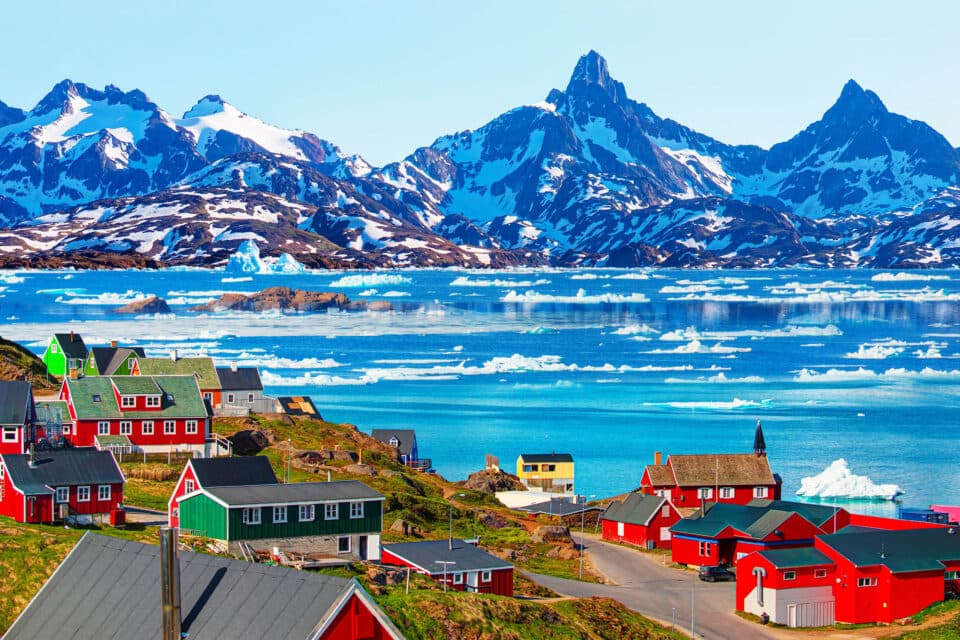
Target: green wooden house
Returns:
[[113, 361], [342, 518], [65, 351]]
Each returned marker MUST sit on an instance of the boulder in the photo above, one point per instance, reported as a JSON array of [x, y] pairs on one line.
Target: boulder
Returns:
[[360, 469], [248, 442], [491, 520], [490, 481], [349, 456], [149, 305], [551, 533]]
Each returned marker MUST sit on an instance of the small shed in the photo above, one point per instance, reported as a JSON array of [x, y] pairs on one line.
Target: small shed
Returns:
[[641, 520], [463, 566]]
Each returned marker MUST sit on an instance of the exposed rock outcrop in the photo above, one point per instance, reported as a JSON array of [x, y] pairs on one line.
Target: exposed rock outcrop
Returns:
[[489, 481], [287, 299], [149, 305]]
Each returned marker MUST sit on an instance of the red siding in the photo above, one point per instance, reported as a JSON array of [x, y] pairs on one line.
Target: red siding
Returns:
[[805, 577], [84, 432], [355, 622], [12, 503], [94, 505], [178, 491], [687, 551], [890, 524], [501, 580], [638, 534]]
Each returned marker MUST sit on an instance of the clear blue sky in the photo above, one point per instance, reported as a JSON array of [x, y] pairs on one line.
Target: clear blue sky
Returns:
[[382, 78]]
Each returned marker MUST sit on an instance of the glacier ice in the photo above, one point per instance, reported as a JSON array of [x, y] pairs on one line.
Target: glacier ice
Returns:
[[837, 481]]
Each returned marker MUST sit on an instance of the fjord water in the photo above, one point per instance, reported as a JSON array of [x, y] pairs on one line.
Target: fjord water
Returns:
[[608, 365]]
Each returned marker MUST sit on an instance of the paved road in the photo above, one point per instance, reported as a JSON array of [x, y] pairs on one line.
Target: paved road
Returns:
[[657, 591], [145, 516]]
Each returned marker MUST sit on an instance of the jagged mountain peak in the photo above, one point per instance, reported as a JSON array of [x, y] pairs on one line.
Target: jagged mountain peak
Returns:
[[590, 75], [855, 105], [207, 105]]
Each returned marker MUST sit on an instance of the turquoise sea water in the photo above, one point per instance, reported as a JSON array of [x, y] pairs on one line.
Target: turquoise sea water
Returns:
[[607, 365]]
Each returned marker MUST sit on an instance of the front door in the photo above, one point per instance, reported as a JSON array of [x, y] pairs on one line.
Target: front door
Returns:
[[473, 581], [362, 551]]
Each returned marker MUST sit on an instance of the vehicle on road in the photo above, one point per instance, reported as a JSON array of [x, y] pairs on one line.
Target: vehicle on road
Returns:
[[716, 574]]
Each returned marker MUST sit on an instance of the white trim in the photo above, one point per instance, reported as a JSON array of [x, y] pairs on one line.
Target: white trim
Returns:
[[274, 519], [334, 611], [312, 512], [349, 540], [191, 424], [153, 427], [56, 497], [84, 486], [488, 574], [356, 502], [173, 495], [100, 488], [295, 502], [249, 521], [456, 576], [336, 510]]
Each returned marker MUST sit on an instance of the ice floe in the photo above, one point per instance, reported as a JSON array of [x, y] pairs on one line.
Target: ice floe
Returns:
[[907, 277], [370, 280], [581, 297], [837, 481], [736, 403], [464, 281]]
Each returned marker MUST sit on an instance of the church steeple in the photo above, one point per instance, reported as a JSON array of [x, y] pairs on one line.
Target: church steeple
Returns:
[[759, 444]]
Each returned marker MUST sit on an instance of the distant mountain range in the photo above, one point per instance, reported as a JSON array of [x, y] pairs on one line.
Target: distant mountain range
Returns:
[[588, 177]]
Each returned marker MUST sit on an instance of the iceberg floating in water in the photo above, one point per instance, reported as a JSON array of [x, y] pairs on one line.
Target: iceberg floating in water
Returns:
[[247, 259], [836, 481]]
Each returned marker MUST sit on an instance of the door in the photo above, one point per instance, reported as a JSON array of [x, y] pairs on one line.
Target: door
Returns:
[[664, 534], [792, 612], [620, 529], [362, 551], [473, 581]]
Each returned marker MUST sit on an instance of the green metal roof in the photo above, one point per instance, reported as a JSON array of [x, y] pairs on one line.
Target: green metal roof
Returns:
[[184, 399], [113, 441], [202, 368], [135, 385], [818, 514], [796, 558], [767, 523], [900, 551], [635, 509], [758, 519]]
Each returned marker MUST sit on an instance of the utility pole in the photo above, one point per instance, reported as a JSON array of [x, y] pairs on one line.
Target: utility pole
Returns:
[[693, 604], [444, 563]]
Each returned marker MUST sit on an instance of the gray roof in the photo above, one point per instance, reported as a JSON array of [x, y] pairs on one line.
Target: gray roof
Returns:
[[546, 457], [110, 588], [234, 471], [900, 551], [294, 493], [796, 558], [243, 379], [757, 520], [425, 555], [559, 508], [16, 399], [405, 438], [59, 468], [108, 359], [72, 345], [636, 508], [818, 514]]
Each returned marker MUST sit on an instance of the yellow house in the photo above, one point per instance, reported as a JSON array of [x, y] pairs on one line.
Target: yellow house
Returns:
[[551, 472]]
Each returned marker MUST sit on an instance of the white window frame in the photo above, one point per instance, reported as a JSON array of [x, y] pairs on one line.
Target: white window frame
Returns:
[[248, 516], [331, 511], [169, 427], [153, 401], [705, 493], [126, 427], [356, 510], [103, 492], [349, 544], [250, 398], [866, 582], [951, 575], [307, 513], [727, 493], [7, 431], [128, 402], [83, 494], [279, 514], [703, 549], [760, 492], [230, 397], [457, 577], [191, 427], [819, 573], [103, 428], [146, 427], [66, 429], [61, 498], [188, 486], [486, 576], [665, 511], [53, 348], [789, 575]]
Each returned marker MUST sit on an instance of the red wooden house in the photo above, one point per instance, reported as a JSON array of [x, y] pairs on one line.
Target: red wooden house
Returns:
[[153, 414], [725, 533], [794, 587], [641, 520], [206, 473], [694, 480], [57, 485], [461, 565], [17, 415]]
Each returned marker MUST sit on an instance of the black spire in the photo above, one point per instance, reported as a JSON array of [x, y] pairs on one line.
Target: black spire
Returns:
[[759, 444]]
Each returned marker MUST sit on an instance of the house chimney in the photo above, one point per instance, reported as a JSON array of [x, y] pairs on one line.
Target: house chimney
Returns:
[[71, 335], [74, 373], [173, 355], [233, 367], [32, 463], [170, 583], [657, 458], [113, 344]]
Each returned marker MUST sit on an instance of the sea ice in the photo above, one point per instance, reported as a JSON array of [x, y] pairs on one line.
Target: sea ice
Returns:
[[836, 481]]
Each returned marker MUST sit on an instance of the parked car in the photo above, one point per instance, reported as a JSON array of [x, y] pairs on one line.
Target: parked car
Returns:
[[716, 574]]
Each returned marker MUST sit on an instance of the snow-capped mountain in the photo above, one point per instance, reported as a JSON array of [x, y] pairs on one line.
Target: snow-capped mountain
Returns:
[[588, 176]]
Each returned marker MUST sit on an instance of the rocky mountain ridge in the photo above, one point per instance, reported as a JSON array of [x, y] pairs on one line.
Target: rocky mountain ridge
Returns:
[[586, 177]]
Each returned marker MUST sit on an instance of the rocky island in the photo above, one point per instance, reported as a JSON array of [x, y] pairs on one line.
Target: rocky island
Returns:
[[287, 299]]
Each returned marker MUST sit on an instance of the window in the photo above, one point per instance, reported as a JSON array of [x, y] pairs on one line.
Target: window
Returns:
[[705, 493], [10, 434], [356, 510], [147, 427], [103, 492], [191, 426], [486, 576], [759, 492], [726, 492], [63, 494], [128, 402], [250, 397], [531, 467], [279, 514], [251, 516], [458, 578], [126, 427], [665, 511], [549, 467], [866, 582], [53, 348], [169, 426], [949, 575], [789, 575], [208, 396], [820, 573], [153, 401], [230, 397], [394, 442], [343, 544], [83, 494], [103, 428], [306, 512], [704, 549], [66, 429], [331, 511], [188, 486]]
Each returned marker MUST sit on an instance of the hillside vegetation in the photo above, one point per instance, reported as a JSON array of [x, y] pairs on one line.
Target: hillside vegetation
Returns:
[[18, 363]]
